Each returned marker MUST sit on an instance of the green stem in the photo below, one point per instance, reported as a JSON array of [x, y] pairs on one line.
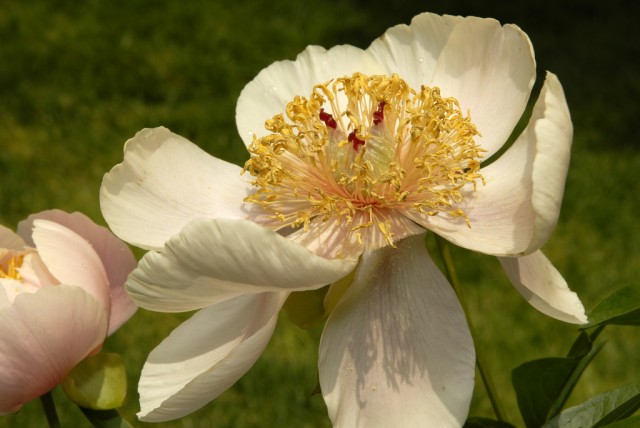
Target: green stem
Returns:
[[50, 410], [450, 271]]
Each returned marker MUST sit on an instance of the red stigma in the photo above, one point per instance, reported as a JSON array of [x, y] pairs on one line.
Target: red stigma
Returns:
[[357, 142], [328, 119], [378, 115]]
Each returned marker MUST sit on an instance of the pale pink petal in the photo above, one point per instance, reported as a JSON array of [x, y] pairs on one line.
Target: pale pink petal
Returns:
[[543, 287], [10, 240], [116, 257], [164, 182], [270, 91], [490, 70], [551, 129], [396, 351], [43, 336], [71, 259], [206, 355], [213, 260], [34, 273]]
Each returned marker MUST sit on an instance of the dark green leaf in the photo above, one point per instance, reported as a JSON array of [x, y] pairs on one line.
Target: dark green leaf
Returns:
[[538, 384], [476, 422], [543, 386], [622, 308], [105, 418], [601, 410], [633, 422]]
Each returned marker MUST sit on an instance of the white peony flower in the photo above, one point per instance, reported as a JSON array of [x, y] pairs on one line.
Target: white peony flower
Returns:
[[353, 155]]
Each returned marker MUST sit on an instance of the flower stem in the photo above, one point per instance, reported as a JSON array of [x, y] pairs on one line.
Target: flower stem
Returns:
[[50, 410], [450, 271]]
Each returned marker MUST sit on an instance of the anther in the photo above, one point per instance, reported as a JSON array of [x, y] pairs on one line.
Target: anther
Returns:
[[353, 139], [328, 119]]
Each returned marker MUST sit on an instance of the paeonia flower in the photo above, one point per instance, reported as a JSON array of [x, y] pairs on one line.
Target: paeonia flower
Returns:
[[61, 295], [353, 155]]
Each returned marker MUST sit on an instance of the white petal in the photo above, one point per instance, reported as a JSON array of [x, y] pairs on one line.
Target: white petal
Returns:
[[397, 351], [71, 259], [206, 355], [275, 86], [500, 213], [10, 240], [116, 257], [43, 336], [164, 182], [542, 285], [490, 70], [551, 129], [413, 51], [213, 260], [517, 209]]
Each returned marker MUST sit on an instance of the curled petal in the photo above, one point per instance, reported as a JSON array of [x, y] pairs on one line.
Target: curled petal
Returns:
[[164, 182], [397, 351], [205, 355], [551, 129], [213, 260], [116, 257], [543, 287], [43, 336]]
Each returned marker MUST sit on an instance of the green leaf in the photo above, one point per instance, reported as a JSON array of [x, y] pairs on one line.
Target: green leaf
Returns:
[[105, 418], [632, 422], [306, 308], [476, 422], [543, 386], [538, 384], [601, 410], [98, 382], [622, 307]]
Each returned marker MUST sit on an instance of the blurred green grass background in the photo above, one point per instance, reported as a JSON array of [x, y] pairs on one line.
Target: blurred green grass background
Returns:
[[79, 78]]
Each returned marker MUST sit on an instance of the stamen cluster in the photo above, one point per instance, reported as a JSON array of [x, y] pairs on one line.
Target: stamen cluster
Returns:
[[359, 148]]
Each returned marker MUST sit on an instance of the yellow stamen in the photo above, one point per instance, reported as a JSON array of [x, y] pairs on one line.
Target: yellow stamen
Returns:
[[359, 147], [9, 268]]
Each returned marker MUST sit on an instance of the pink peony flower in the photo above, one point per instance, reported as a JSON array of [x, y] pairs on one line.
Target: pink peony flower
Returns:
[[61, 295]]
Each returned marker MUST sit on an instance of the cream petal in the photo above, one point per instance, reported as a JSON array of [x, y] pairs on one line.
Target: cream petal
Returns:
[[205, 355], [490, 70], [164, 182], [43, 335], [10, 240], [275, 86], [501, 217], [213, 260], [517, 209], [551, 129], [412, 51], [543, 287], [116, 257], [397, 351], [71, 259]]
